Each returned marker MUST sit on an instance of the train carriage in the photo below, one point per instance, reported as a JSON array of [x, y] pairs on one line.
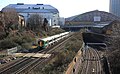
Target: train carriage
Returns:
[[45, 42]]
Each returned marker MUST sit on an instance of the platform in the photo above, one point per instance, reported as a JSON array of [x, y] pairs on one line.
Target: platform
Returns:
[[34, 55]]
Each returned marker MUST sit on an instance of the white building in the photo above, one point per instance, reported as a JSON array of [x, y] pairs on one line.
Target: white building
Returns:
[[46, 11]]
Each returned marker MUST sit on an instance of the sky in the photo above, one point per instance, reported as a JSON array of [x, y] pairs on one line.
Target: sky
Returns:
[[67, 8]]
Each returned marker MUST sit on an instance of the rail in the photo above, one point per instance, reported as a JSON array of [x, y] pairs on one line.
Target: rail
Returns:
[[92, 62], [30, 63]]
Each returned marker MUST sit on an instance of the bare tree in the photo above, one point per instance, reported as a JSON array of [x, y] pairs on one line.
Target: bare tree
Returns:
[[34, 22], [114, 53], [115, 35], [10, 17], [45, 24]]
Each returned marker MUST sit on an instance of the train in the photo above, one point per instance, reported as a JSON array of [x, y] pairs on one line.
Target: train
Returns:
[[49, 41]]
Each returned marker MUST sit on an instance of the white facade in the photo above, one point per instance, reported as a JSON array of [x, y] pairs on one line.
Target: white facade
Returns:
[[46, 11]]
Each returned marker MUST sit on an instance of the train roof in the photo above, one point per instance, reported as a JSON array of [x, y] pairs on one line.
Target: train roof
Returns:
[[54, 36], [64, 33]]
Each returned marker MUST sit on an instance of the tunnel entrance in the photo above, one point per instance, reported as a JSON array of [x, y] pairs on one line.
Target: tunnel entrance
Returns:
[[94, 40]]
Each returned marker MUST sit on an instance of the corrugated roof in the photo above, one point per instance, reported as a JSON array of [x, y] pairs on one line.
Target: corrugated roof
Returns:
[[36, 11], [70, 18], [89, 17], [41, 8]]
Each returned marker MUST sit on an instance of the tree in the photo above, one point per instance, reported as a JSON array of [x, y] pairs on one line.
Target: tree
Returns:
[[11, 18], [45, 23], [114, 50], [115, 35], [34, 22]]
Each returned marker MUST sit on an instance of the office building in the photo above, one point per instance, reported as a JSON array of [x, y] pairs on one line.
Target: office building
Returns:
[[115, 7]]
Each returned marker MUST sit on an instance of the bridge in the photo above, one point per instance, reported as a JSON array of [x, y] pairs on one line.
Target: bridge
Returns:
[[78, 27], [84, 25]]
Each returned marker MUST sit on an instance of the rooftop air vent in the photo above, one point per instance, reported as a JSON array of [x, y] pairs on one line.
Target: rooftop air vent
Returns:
[[36, 7], [39, 4], [20, 3]]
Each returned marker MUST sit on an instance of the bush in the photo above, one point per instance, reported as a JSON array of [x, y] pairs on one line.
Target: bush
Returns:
[[27, 38], [26, 45], [15, 41], [21, 39], [59, 64], [7, 44], [55, 31], [2, 35], [18, 40]]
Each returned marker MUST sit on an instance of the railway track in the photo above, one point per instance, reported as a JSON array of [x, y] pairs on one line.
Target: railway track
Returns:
[[40, 63], [97, 59], [25, 65], [92, 62], [86, 64]]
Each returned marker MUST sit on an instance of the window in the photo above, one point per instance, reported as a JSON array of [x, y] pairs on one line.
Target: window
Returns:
[[28, 7]]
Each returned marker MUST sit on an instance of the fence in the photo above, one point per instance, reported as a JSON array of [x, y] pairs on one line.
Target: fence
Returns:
[[73, 65]]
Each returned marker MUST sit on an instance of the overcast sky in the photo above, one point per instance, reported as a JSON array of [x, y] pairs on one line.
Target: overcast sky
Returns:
[[66, 8]]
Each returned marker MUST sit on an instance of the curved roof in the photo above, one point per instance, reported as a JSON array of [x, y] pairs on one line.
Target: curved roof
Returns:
[[89, 17], [37, 8]]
